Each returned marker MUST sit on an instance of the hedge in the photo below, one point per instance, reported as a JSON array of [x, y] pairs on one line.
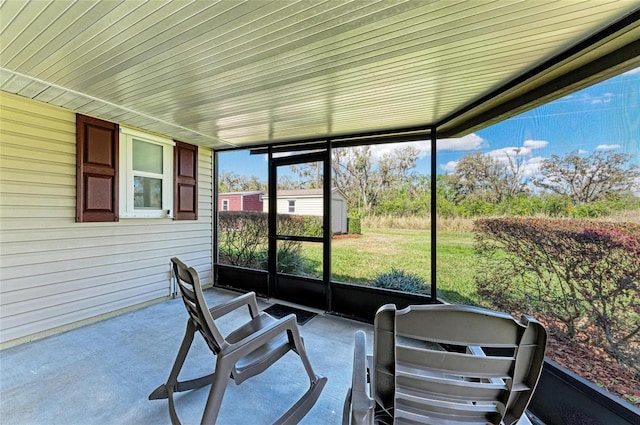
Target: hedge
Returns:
[[583, 274]]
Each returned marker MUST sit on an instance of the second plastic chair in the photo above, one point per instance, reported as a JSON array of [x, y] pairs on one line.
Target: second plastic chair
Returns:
[[445, 364]]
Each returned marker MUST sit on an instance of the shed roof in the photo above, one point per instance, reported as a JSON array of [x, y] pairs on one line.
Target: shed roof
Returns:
[[244, 193], [247, 73]]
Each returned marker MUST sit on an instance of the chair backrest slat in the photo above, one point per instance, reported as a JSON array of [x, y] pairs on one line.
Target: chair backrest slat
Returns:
[[450, 389], [459, 363], [196, 305], [458, 325], [429, 365]]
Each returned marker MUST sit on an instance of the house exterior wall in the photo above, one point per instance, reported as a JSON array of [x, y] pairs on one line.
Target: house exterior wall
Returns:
[[304, 206], [241, 201], [313, 205], [56, 273], [252, 202], [234, 200]]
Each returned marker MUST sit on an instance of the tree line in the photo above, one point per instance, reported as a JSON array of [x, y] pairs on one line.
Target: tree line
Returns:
[[571, 185]]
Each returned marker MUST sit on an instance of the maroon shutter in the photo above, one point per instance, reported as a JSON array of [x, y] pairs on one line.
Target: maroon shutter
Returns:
[[96, 169], [185, 181]]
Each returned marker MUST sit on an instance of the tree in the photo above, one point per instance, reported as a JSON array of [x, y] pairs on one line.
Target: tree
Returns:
[[310, 174], [411, 197], [588, 178], [233, 182], [365, 181], [286, 182], [488, 179]]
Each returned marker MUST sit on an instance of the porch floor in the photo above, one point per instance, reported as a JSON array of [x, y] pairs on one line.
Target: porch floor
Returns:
[[102, 373]]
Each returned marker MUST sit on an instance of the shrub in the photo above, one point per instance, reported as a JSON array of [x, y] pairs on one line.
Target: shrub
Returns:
[[243, 239], [592, 210], [522, 206], [354, 225], [585, 274], [299, 225], [242, 236], [289, 258], [312, 226], [474, 207], [556, 205], [446, 208], [401, 281]]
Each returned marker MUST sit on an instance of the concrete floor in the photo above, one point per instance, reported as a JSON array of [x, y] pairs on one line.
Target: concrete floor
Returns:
[[103, 373]]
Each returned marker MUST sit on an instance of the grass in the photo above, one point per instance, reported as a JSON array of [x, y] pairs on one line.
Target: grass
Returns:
[[378, 250]]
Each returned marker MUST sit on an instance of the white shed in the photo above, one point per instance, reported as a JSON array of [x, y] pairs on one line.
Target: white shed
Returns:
[[309, 202]]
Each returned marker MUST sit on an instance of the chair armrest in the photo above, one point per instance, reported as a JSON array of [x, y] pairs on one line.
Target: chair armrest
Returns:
[[362, 405], [245, 299], [246, 345]]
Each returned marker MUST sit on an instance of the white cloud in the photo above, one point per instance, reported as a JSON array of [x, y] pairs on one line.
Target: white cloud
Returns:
[[527, 148], [450, 166], [469, 142], [378, 151], [633, 71], [607, 147], [595, 100], [605, 98], [582, 151], [503, 154], [535, 144], [532, 166]]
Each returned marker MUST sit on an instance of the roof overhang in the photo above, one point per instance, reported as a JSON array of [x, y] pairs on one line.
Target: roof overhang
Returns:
[[245, 74]]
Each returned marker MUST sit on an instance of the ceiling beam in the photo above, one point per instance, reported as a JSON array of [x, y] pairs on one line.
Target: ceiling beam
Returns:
[[624, 58]]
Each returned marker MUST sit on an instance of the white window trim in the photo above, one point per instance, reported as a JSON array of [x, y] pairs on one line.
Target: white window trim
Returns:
[[225, 202], [291, 205], [126, 174]]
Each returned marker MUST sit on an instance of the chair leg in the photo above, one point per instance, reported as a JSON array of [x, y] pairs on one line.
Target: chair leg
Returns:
[[295, 414], [173, 385], [224, 366], [296, 340], [316, 383], [172, 381]]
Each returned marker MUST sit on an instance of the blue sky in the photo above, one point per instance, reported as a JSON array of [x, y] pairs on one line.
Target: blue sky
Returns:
[[603, 116]]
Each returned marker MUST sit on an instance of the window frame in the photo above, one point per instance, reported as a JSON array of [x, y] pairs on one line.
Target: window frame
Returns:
[[225, 205], [291, 206], [127, 174]]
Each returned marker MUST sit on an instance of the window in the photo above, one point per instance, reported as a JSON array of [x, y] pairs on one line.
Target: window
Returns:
[[225, 205], [292, 207], [146, 175], [128, 173]]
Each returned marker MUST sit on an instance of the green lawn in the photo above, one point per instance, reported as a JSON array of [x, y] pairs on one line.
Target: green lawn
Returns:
[[379, 250]]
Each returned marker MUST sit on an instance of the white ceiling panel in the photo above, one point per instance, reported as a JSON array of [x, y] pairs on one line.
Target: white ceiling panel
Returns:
[[49, 94], [241, 73]]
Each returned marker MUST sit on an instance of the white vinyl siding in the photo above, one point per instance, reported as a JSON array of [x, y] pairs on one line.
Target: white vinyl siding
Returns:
[[55, 272], [303, 205]]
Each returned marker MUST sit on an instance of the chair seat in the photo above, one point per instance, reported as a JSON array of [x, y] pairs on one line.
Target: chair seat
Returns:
[[263, 355]]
